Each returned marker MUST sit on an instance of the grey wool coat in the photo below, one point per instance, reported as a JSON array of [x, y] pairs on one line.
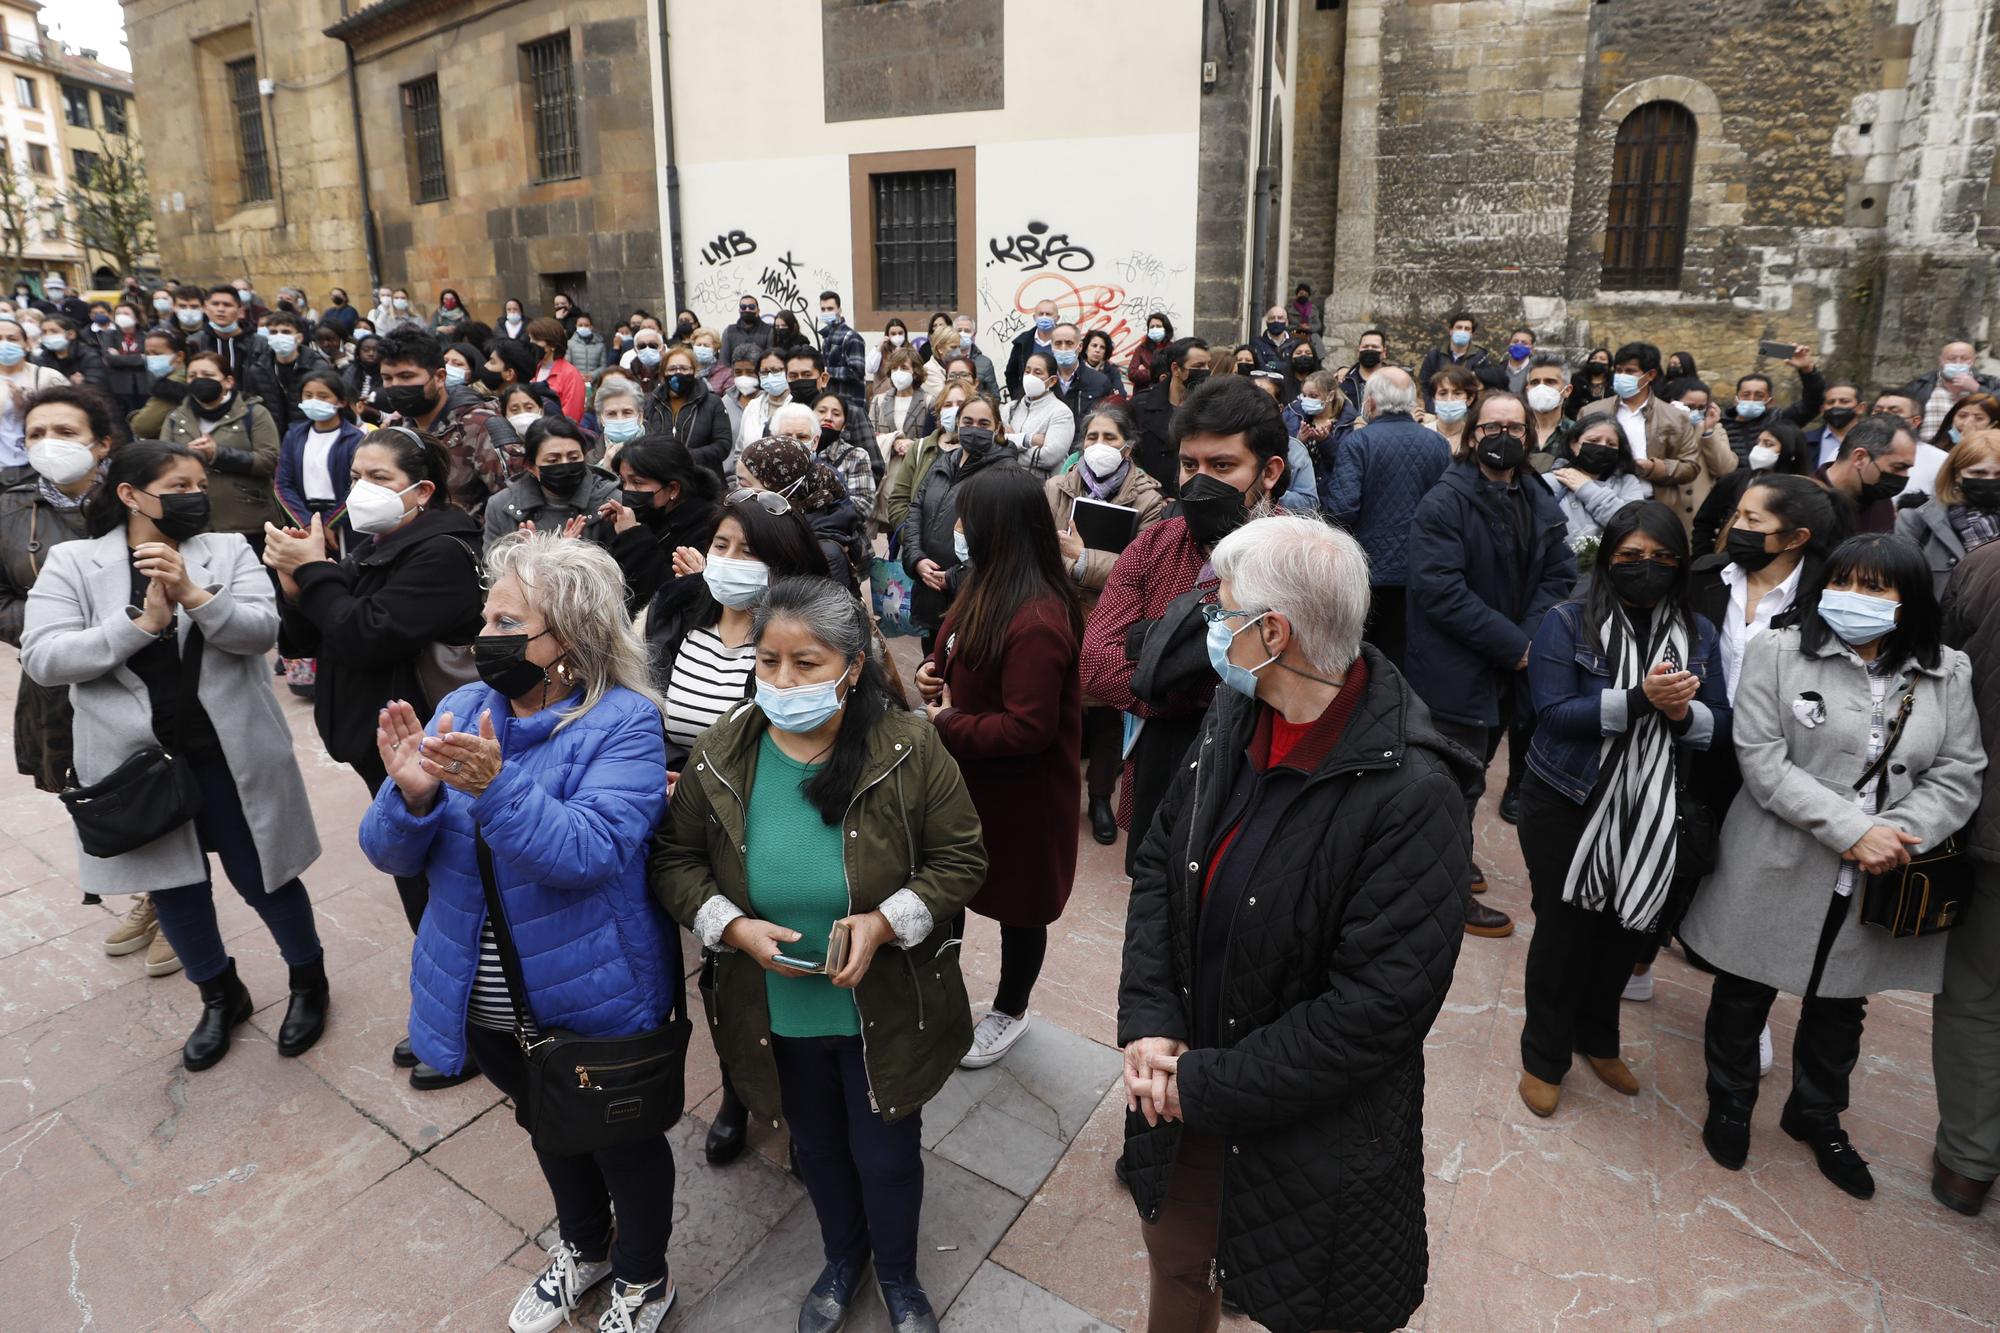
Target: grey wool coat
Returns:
[[80, 632], [1801, 726]]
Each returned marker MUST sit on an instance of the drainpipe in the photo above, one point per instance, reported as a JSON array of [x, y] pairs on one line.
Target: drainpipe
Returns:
[[668, 165], [369, 241], [1260, 212]]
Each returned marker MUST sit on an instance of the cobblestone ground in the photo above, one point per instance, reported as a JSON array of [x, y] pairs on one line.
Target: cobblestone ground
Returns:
[[322, 1193]]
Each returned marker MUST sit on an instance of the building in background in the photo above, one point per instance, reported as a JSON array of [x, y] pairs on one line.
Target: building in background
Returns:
[[35, 237], [101, 144]]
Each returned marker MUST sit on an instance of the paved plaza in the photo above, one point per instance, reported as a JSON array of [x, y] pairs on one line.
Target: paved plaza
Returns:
[[268, 1195]]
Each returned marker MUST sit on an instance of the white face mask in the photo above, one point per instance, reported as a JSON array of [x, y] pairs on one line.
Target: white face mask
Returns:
[[895, 340], [746, 385], [62, 461], [374, 508], [1102, 459], [1763, 458], [1034, 385], [1544, 397], [902, 379], [520, 421]]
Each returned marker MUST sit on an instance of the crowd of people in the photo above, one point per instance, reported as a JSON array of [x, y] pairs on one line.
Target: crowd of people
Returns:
[[597, 610]]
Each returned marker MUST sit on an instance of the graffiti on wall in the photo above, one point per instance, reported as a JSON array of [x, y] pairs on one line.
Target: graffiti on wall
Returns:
[[1142, 286], [729, 245], [1037, 248], [732, 265]]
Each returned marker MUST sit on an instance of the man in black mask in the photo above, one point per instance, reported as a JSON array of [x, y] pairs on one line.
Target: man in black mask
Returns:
[[1489, 555], [1154, 410], [414, 393], [1876, 456], [1145, 649], [749, 332]]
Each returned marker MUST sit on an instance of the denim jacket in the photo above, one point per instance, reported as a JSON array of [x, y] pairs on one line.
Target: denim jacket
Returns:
[[1576, 708]]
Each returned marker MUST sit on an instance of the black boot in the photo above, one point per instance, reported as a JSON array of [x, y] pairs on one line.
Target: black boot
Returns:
[[728, 1134], [1103, 821], [305, 1016], [225, 1005]]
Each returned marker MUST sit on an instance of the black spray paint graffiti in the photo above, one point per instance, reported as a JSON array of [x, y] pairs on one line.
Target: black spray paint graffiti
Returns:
[[728, 246], [781, 284], [1037, 248]]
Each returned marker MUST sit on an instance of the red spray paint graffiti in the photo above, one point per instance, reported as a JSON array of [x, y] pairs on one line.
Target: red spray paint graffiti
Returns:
[[1089, 306]]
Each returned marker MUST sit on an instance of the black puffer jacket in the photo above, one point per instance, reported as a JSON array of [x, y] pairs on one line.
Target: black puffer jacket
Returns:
[[701, 423], [1334, 970]]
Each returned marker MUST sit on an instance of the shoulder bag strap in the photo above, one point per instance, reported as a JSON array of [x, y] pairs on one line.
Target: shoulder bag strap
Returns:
[[525, 1030], [1888, 746]]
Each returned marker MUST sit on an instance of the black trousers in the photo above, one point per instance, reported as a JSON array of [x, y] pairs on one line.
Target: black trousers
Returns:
[[1388, 620], [1156, 757], [1578, 960], [637, 1179], [1483, 742], [865, 1175], [414, 890], [1022, 949], [1824, 1050], [1103, 743]]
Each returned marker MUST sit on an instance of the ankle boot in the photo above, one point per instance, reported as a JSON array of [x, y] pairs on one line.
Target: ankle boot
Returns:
[[305, 1016], [728, 1135], [225, 1005]]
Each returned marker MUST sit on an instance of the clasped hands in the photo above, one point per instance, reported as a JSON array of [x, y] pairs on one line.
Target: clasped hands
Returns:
[[1152, 1078], [1670, 691], [419, 764], [168, 585]]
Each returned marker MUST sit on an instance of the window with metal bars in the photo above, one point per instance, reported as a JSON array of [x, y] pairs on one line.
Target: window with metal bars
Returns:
[[916, 240], [426, 138], [1652, 175], [244, 100], [76, 105], [554, 89], [114, 112]]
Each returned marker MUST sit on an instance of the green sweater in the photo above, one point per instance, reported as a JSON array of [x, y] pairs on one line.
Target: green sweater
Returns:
[[797, 880]]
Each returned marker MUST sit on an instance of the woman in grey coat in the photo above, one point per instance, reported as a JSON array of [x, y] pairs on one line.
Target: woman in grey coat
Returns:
[[1864, 673], [129, 620]]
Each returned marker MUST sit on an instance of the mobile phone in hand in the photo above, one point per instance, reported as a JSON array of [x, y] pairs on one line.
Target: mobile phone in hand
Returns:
[[799, 962], [1777, 350]]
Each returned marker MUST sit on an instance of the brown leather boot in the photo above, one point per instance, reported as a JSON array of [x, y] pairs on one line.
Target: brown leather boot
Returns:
[[1614, 1073], [1541, 1097], [1961, 1194]]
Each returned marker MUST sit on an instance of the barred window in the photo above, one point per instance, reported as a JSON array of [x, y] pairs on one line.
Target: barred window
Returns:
[[554, 88], [82, 166], [916, 240], [244, 100], [426, 139], [76, 105], [1652, 174], [114, 112]]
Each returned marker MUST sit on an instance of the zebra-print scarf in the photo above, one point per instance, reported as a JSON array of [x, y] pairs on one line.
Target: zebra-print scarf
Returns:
[[1624, 862]]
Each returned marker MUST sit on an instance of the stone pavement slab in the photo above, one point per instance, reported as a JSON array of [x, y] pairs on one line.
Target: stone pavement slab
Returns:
[[997, 1301]]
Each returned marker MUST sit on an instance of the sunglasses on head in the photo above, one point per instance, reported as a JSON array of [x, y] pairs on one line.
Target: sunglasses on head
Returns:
[[771, 502]]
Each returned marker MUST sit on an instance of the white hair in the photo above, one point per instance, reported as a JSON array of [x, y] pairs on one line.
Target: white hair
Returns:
[[791, 413], [1390, 393], [580, 593], [1306, 570], [614, 390]]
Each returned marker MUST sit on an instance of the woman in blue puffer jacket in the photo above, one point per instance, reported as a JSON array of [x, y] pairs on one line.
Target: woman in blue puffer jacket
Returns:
[[557, 759]]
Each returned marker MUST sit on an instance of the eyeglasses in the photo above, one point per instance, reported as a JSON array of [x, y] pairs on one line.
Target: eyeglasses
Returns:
[[771, 502], [1493, 430], [1212, 612]]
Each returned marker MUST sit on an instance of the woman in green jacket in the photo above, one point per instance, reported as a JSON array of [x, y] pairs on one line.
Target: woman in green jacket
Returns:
[[817, 808], [238, 440]]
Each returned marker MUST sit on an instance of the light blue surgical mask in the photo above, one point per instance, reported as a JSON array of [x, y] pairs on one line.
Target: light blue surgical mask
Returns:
[[1460, 337], [1748, 411], [647, 357], [315, 409], [624, 431], [772, 383], [828, 318], [284, 344], [1856, 617], [1065, 359], [56, 342], [12, 354], [737, 584], [1241, 679], [1953, 369], [959, 547], [1695, 414], [454, 375], [1309, 406], [1156, 334], [1450, 409], [1956, 435], [948, 418], [159, 364], [801, 708], [704, 356], [1043, 323], [1624, 384]]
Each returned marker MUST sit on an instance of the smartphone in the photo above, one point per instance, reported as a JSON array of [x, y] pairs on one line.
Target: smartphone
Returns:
[[1776, 350], [800, 962]]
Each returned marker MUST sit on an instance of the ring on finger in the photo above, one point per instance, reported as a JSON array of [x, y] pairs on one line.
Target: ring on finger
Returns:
[[455, 765]]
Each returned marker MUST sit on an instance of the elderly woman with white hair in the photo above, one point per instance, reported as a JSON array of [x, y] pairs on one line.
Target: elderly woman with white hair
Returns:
[[535, 791], [793, 421], [1295, 916]]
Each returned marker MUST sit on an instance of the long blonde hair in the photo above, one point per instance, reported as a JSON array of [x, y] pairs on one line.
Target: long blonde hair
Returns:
[[578, 589]]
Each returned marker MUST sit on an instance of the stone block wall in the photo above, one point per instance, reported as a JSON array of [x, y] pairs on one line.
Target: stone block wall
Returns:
[[1318, 75], [1221, 249]]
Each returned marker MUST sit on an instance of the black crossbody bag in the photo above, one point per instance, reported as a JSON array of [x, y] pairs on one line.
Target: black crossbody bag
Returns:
[[1927, 894], [149, 795], [589, 1093]]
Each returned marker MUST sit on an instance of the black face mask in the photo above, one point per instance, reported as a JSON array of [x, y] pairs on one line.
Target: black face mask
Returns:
[[1747, 549], [338, 299], [562, 478], [183, 514], [1304, 365], [409, 400], [1213, 509], [1599, 460], [747, 318], [679, 383], [1599, 369], [1886, 486], [206, 391], [1502, 453], [684, 329], [1840, 418], [502, 661], [829, 436], [1369, 357], [490, 378], [974, 441], [1195, 377], [641, 504], [803, 389], [1980, 492], [1643, 582]]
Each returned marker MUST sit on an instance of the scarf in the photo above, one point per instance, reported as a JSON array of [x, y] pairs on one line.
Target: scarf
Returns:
[[1108, 488], [1975, 527], [1624, 862]]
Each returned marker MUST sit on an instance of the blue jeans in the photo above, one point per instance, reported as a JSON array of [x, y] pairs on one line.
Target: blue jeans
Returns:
[[866, 1177], [187, 913]]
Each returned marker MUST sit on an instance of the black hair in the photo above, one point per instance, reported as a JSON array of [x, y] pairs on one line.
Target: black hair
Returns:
[[804, 598], [416, 456], [1794, 460], [336, 384], [85, 398], [1660, 523], [1593, 352], [1232, 405], [1048, 360], [1373, 333], [1462, 316], [282, 319], [172, 338], [470, 351], [1101, 336], [139, 463], [222, 289], [1876, 433], [1688, 368], [1015, 560], [773, 350], [805, 352], [561, 428], [185, 292], [413, 347], [1891, 559], [1166, 323], [1647, 356], [830, 295], [452, 292], [1759, 376], [478, 333], [1482, 395], [783, 542], [1572, 446], [1685, 385], [825, 394], [1178, 349], [1800, 502], [664, 459], [515, 355]]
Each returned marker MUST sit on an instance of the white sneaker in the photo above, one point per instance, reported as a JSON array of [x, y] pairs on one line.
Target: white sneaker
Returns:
[[1764, 1051], [637, 1309], [1639, 987], [990, 1040], [551, 1297]]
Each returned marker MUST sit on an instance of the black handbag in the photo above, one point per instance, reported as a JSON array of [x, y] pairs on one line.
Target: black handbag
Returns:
[[588, 1093], [149, 795], [1928, 893]]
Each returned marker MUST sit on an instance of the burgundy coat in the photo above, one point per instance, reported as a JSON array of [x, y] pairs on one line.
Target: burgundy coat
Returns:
[[1016, 729]]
